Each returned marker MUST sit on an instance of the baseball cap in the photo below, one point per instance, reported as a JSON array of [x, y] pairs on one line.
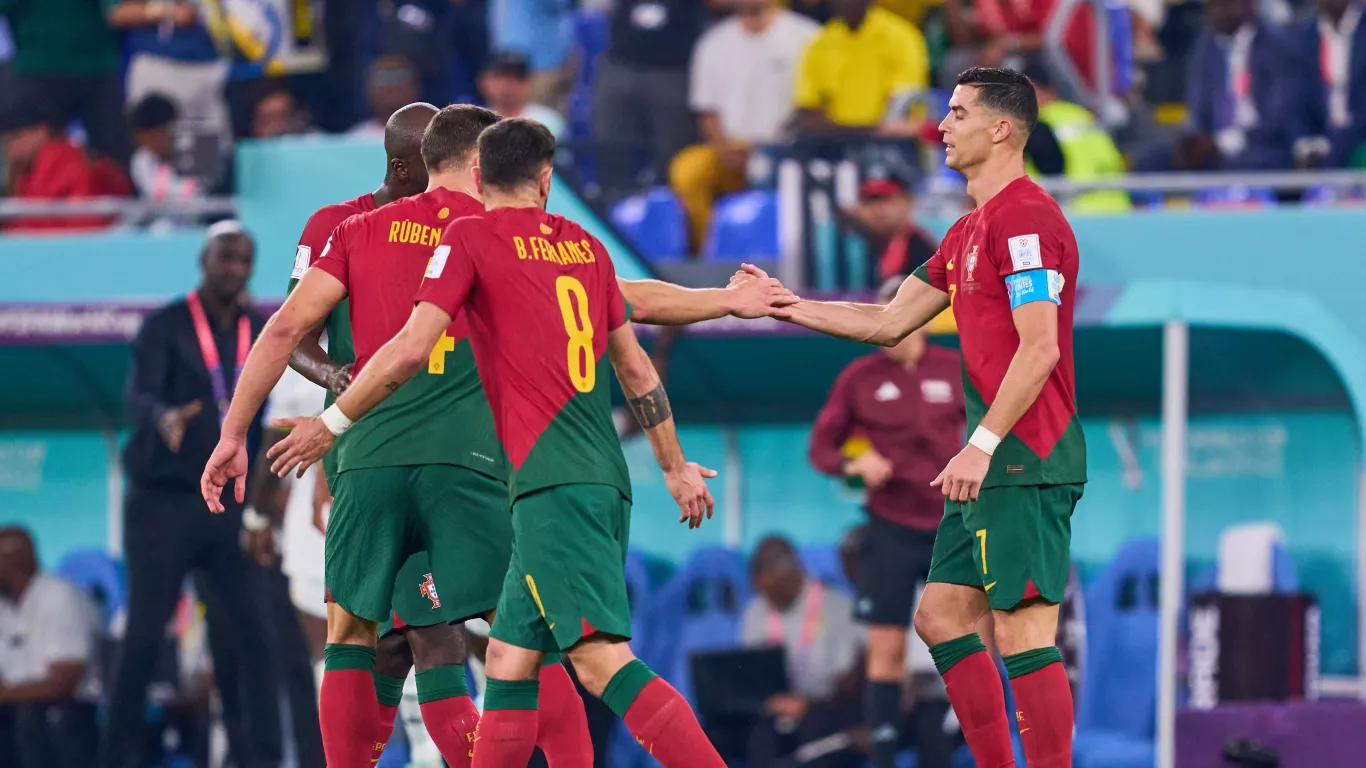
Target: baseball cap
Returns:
[[508, 63], [889, 186]]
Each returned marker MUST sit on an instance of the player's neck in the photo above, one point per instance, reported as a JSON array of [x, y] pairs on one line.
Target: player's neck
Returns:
[[993, 176], [224, 309], [530, 199], [456, 181]]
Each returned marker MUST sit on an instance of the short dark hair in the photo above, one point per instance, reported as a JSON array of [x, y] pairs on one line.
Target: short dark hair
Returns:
[[453, 134], [514, 152], [154, 111], [774, 553], [1005, 91]]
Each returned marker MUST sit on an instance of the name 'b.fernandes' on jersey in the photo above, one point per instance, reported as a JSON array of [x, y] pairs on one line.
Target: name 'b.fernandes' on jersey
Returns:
[[441, 416], [1015, 249], [541, 296]]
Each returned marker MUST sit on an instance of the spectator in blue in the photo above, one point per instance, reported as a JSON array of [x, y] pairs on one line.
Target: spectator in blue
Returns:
[[543, 30], [1240, 93], [67, 57], [173, 53], [436, 35], [1332, 66]]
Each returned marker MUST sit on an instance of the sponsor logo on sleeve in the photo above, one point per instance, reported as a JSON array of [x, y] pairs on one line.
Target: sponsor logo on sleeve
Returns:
[[438, 263], [1024, 252], [303, 256]]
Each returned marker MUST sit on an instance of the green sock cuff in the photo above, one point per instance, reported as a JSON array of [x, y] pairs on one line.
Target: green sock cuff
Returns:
[[1031, 661], [338, 656], [552, 658], [626, 685], [511, 694], [947, 654], [389, 690], [439, 683]]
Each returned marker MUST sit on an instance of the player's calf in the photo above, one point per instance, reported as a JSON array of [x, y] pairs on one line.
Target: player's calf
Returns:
[[1043, 696], [347, 709], [439, 654], [393, 661], [507, 731]]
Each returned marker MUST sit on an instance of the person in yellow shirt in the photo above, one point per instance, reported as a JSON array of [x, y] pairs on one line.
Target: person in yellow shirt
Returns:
[[864, 61]]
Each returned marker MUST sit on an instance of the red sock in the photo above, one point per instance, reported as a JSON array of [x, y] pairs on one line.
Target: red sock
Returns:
[[505, 739], [346, 714], [1043, 704], [974, 688], [665, 725], [383, 731], [562, 732], [451, 723]]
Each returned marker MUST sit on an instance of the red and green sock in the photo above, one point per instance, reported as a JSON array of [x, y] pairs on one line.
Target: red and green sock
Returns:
[[974, 688], [1043, 706], [562, 727], [507, 732], [388, 692], [448, 712], [347, 707], [659, 718]]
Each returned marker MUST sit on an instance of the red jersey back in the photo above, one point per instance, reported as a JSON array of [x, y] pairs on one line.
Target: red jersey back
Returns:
[[441, 416], [541, 296], [1015, 249]]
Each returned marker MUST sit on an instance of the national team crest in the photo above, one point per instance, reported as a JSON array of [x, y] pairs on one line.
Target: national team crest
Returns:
[[428, 589], [971, 264]]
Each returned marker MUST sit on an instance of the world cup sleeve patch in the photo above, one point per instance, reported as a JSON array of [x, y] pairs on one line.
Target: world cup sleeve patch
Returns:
[[303, 255], [1034, 285], [1024, 252], [438, 263]]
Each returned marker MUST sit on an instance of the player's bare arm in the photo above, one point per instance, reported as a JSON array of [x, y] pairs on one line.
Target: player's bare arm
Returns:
[[313, 363], [915, 304], [656, 302], [311, 301], [649, 402], [397, 361], [1036, 323]]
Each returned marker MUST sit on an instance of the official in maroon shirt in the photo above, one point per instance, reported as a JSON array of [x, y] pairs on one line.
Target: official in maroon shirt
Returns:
[[900, 411]]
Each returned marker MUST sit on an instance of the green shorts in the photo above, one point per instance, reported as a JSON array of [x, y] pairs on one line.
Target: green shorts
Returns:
[[567, 578], [1014, 542], [417, 602], [383, 516]]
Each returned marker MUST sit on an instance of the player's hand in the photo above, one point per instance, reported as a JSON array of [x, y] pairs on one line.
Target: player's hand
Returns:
[[322, 503], [745, 273], [261, 546], [340, 380], [228, 462], [171, 425], [962, 478], [689, 489], [758, 297], [307, 441], [872, 466]]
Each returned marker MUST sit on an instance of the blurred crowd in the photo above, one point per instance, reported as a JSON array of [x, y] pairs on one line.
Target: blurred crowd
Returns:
[[146, 97]]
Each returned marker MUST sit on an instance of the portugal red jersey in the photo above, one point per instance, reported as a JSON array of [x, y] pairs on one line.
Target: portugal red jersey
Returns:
[[541, 296]]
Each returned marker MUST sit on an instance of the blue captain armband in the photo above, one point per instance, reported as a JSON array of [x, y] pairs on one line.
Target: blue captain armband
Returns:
[[1034, 285]]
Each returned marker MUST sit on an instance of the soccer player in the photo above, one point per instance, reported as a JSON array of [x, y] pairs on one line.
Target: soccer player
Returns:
[[547, 318], [1009, 272]]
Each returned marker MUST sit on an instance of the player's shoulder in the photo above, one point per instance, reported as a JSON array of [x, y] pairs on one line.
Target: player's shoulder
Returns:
[[1028, 202], [474, 224], [330, 216]]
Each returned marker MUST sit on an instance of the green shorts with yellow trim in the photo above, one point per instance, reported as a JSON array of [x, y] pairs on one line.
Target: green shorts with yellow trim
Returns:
[[1014, 541], [567, 577], [383, 517]]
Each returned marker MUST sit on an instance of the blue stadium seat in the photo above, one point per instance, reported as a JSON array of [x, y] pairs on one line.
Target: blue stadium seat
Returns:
[[823, 562], [744, 226], [99, 575], [1116, 723], [1236, 197], [702, 603], [1147, 198], [654, 223], [1121, 46], [591, 33]]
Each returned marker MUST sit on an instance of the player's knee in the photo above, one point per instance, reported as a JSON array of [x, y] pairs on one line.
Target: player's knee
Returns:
[[508, 662], [1032, 624], [345, 628], [438, 646], [886, 653], [935, 624], [393, 657], [597, 659]]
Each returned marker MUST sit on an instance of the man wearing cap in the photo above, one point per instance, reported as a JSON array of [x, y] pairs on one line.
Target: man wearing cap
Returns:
[[506, 86], [883, 218], [892, 420]]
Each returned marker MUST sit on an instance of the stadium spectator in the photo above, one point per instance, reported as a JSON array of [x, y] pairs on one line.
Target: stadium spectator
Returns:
[[48, 642], [891, 421], [1241, 94], [439, 38], [66, 56], [173, 53], [885, 219], [815, 627], [743, 71], [275, 112], [1068, 141], [390, 83], [185, 358], [43, 164], [506, 86], [640, 99], [1332, 80], [994, 33], [864, 63], [153, 167], [543, 31]]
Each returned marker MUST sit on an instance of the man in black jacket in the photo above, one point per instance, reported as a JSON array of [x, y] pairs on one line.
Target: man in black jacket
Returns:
[[185, 361]]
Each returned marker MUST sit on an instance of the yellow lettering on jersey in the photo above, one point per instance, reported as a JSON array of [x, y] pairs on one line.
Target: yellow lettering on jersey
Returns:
[[521, 246], [393, 230], [566, 255], [588, 250]]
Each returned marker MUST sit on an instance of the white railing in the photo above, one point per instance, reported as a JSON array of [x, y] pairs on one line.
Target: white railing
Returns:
[[125, 209]]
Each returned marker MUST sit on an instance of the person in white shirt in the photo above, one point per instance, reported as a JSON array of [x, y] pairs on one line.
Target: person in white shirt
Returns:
[[506, 84], [741, 91], [48, 640]]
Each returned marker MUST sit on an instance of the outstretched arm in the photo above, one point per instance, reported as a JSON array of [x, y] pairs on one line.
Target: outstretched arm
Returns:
[[655, 302], [649, 402]]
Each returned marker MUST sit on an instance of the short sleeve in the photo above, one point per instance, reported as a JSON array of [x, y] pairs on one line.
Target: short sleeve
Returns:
[[67, 625], [335, 256], [312, 241], [707, 80], [935, 271], [806, 87], [450, 272], [1026, 242], [618, 312]]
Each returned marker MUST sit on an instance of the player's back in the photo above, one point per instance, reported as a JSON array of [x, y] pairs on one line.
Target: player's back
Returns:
[[441, 416], [543, 297]]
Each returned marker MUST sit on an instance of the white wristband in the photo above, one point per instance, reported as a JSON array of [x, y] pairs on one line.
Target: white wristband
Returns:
[[336, 421], [254, 521], [983, 439]]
